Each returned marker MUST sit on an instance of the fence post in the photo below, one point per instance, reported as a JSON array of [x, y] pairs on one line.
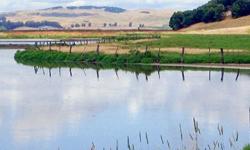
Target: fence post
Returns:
[[222, 56], [159, 57], [50, 46], [182, 55], [70, 48], [209, 54], [116, 52], [238, 56], [146, 50], [98, 49]]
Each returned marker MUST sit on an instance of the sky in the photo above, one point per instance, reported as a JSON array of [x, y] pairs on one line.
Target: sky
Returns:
[[14, 5]]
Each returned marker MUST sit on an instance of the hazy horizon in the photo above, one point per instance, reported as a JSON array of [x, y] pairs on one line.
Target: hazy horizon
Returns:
[[17, 5]]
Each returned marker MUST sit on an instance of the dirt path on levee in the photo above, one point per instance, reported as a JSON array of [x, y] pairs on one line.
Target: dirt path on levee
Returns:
[[123, 49]]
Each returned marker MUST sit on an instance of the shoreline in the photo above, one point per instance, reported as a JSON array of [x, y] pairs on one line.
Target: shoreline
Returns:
[[214, 66], [134, 58]]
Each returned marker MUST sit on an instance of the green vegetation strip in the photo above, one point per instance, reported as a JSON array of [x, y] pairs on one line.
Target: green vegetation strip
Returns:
[[134, 57], [232, 42], [247, 147]]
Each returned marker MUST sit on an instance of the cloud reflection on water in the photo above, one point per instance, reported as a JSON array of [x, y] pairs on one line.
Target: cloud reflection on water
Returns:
[[40, 108]]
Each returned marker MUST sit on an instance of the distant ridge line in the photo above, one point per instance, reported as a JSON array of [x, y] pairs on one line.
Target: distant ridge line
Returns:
[[111, 9], [94, 30]]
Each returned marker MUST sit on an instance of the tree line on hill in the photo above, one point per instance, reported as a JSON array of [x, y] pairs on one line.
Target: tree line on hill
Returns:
[[213, 11], [8, 25]]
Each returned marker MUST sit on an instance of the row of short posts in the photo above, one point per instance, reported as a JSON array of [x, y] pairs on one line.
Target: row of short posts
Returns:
[[222, 59], [69, 43], [36, 69], [182, 59]]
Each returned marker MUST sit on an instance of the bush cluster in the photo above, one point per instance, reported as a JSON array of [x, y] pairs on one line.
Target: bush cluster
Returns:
[[213, 11]]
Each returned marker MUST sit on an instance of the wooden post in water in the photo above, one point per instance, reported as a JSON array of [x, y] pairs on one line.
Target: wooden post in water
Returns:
[[209, 74], [116, 73], [222, 55], [137, 76], [182, 55], [70, 72], [60, 71], [128, 143], [97, 73], [162, 141], [117, 145], [222, 74], [238, 74], [49, 72], [159, 70], [147, 138], [140, 136], [182, 73]]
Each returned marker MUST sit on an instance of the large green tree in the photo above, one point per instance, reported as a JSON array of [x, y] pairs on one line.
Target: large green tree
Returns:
[[176, 21], [241, 8]]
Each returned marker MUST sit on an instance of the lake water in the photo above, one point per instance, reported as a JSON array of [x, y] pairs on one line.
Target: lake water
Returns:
[[70, 111]]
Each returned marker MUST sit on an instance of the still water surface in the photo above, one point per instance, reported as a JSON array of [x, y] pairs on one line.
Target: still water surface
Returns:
[[39, 111]]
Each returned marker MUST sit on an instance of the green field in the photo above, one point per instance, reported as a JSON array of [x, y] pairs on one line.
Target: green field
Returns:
[[237, 42]]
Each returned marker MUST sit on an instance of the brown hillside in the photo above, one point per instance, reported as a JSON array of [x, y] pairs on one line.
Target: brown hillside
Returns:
[[229, 25], [151, 18]]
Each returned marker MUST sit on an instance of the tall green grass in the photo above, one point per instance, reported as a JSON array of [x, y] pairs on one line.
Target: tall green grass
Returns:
[[134, 57], [247, 147]]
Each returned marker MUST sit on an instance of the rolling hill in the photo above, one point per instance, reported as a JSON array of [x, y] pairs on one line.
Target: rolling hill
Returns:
[[93, 17], [229, 25]]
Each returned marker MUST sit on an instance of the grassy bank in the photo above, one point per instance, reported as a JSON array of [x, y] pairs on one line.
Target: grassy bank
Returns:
[[134, 57], [237, 42]]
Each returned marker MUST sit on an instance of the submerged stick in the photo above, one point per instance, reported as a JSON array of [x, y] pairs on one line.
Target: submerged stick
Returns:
[[117, 145], [147, 138], [140, 137], [128, 143], [162, 141]]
